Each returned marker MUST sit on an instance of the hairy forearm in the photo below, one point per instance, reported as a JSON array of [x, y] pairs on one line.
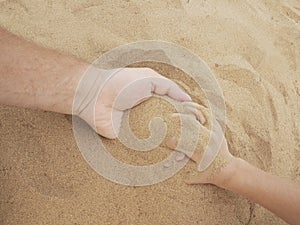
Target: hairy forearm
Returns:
[[36, 77], [274, 193]]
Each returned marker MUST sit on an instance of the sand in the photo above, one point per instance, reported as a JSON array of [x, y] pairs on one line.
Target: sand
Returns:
[[252, 47]]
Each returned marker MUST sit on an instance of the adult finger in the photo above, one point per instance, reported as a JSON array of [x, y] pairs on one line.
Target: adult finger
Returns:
[[164, 86]]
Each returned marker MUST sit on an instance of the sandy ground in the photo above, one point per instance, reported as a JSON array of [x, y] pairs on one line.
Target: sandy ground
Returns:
[[253, 47]]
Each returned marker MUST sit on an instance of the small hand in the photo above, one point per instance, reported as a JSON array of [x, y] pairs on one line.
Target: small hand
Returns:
[[221, 169]]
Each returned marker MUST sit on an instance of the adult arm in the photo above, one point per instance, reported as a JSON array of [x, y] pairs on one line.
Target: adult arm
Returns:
[[36, 77]]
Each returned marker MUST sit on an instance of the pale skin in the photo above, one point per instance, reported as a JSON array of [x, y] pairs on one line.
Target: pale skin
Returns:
[[35, 77], [276, 194]]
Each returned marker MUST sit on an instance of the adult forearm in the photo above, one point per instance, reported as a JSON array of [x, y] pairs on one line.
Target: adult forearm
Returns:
[[276, 194], [36, 77]]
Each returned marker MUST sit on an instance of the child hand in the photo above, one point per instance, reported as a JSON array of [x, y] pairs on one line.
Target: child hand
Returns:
[[222, 168]]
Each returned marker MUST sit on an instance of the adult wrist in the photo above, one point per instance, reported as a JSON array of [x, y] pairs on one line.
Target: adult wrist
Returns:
[[87, 95], [59, 96]]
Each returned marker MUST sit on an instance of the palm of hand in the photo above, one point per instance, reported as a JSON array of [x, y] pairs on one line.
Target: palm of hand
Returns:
[[124, 90]]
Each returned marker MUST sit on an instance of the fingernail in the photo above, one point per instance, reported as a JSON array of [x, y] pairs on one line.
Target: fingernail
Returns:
[[179, 156], [186, 97], [188, 182], [167, 164], [174, 115]]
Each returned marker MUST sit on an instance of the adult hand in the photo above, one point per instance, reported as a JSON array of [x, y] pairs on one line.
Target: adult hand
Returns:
[[36, 77], [118, 91]]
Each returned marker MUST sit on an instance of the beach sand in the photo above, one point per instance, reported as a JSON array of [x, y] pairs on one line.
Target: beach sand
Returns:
[[253, 48]]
